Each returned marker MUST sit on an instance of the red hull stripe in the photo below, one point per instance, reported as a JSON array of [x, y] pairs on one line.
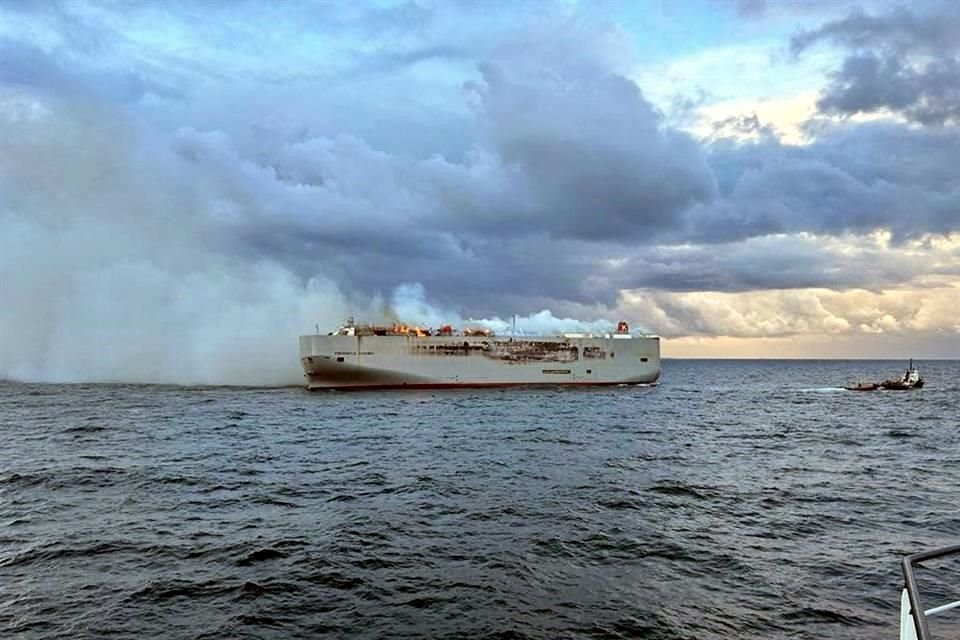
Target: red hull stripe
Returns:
[[472, 385]]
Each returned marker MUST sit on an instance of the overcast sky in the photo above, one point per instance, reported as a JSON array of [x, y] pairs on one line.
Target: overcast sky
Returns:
[[744, 178]]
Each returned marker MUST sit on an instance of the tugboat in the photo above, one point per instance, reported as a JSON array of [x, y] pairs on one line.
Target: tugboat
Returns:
[[911, 380]]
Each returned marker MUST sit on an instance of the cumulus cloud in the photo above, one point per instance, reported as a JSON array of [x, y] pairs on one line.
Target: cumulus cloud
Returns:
[[812, 311], [588, 153]]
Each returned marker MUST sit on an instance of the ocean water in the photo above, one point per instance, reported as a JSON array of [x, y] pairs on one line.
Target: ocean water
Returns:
[[736, 499]]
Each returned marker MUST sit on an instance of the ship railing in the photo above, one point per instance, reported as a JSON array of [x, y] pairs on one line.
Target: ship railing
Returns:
[[913, 616]]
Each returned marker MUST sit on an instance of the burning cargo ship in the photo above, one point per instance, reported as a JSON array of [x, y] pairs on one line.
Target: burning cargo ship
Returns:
[[398, 356]]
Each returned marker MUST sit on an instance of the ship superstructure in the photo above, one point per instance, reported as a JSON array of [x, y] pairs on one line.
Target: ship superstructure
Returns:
[[399, 356]]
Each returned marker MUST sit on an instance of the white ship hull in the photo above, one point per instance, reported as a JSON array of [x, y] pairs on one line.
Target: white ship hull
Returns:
[[372, 361]]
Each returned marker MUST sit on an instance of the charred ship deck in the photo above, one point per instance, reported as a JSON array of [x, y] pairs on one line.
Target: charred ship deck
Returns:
[[369, 357]]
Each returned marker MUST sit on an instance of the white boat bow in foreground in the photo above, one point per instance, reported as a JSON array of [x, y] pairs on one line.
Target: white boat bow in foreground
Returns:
[[914, 616]]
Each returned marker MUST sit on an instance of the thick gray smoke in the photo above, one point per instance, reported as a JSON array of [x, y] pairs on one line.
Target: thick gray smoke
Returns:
[[116, 267]]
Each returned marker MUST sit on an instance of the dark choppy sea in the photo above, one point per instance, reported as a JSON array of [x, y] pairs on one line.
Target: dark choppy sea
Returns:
[[737, 499]]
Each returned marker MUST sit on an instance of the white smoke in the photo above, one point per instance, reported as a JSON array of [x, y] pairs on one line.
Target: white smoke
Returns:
[[112, 267], [410, 305]]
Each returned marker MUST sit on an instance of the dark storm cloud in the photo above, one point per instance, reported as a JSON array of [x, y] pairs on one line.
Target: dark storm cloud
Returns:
[[592, 155], [373, 221], [905, 60], [774, 262], [867, 83], [528, 271], [852, 178], [594, 275], [567, 149]]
